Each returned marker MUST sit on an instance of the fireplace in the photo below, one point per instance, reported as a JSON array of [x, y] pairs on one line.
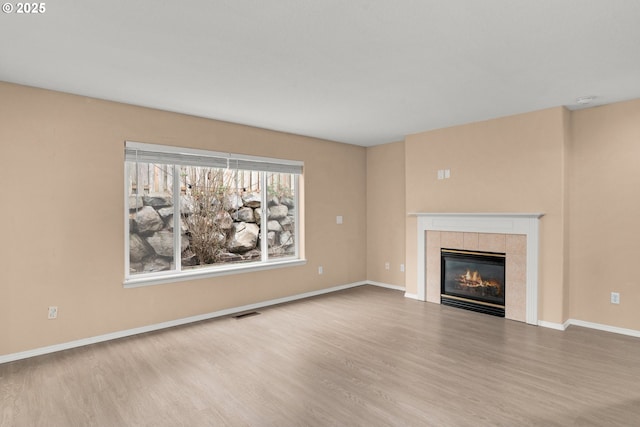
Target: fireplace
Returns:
[[473, 280], [514, 234]]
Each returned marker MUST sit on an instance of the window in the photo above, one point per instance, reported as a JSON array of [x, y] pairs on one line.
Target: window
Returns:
[[192, 213]]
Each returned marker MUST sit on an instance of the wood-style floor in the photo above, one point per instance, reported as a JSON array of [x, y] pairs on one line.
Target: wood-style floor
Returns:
[[362, 357]]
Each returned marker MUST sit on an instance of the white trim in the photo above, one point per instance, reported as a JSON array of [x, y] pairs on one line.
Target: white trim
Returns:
[[264, 219], [127, 233], [169, 324], [590, 325], [501, 223], [487, 215], [606, 328], [552, 325], [177, 218], [385, 285], [412, 296], [164, 277]]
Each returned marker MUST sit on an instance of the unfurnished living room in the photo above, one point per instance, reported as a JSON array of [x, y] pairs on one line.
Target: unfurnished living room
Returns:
[[320, 213]]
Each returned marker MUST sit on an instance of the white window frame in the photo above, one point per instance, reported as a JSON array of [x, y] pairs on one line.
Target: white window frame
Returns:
[[151, 152]]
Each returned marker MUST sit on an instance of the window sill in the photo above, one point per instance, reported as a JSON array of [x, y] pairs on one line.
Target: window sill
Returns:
[[172, 277]]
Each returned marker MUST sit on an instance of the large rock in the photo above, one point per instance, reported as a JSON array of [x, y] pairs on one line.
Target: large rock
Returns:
[[257, 213], [288, 202], [224, 220], [278, 212], [138, 250], [165, 212], [162, 243], [158, 200], [232, 202], [288, 223], [183, 225], [135, 202], [219, 238], [246, 215], [274, 225], [252, 200], [285, 238], [273, 200], [245, 237], [167, 216], [271, 238], [147, 220]]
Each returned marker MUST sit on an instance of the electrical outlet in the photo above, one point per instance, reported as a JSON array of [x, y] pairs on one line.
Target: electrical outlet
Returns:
[[53, 312], [615, 298], [387, 266], [402, 268], [320, 270]]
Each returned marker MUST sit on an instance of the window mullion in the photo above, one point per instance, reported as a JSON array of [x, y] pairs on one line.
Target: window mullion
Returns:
[[264, 220], [177, 230], [296, 216]]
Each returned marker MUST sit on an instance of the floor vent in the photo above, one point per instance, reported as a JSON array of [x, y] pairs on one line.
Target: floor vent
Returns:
[[245, 314]]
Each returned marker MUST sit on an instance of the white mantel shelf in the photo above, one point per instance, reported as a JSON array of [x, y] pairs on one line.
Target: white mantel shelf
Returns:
[[480, 214], [501, 223]]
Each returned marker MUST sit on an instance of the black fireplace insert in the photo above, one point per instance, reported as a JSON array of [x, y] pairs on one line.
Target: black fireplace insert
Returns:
[[473, 280]]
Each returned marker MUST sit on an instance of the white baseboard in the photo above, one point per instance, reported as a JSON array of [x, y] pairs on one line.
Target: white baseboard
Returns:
[[552, 325], [385, 285], [135, 331], [590, 325], [606, 328], [412, 296]]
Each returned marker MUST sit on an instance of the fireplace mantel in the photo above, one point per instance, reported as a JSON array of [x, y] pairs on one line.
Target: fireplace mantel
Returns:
[[501, 223]]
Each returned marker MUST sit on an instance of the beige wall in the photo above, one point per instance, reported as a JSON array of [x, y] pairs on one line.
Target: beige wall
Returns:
[[510, 164], [61, 174], [385, 213], [605, 214]]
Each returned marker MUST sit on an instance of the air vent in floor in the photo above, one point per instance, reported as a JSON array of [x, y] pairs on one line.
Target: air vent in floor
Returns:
[[245, 314]]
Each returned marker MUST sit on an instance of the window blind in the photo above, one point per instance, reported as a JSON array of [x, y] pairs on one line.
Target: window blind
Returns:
[[152, 153]]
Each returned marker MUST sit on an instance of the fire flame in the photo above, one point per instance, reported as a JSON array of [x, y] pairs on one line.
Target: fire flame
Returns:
[[473, 277], [474, 280]]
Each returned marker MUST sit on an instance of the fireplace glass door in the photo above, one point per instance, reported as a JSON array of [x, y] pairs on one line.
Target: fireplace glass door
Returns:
[[473, 280]]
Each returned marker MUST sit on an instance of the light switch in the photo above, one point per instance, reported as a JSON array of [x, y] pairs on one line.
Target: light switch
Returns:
[[339, 219]]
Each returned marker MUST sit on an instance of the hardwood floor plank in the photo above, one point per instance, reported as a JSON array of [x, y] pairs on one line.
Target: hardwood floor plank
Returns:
[[361, 357]]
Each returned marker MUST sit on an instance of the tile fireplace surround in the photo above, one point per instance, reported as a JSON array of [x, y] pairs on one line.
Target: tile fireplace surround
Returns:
[[515, 234]]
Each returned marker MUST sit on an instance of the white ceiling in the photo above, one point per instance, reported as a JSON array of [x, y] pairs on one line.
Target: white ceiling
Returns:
[[357, 71]]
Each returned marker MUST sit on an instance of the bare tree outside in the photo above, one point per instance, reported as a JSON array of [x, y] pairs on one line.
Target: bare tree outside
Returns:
[[203, 211]]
